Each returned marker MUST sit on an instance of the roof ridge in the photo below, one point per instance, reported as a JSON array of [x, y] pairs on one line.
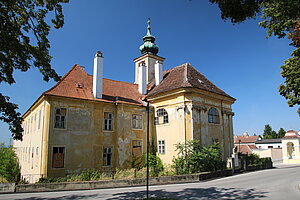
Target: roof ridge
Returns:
[[115, 80], [63, 78]]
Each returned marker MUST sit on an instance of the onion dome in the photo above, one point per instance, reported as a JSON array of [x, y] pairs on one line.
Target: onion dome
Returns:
[[149, 47]]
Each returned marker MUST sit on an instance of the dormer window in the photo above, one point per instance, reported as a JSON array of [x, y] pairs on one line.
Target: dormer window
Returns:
[[213, 116]]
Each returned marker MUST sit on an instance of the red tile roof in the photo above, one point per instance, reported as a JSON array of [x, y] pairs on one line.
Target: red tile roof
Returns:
[[291, 134], [245, 139], [185, 76], [78, 84], [245, 148]]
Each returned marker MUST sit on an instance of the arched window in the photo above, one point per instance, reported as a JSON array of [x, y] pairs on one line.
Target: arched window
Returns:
[[213, 116], [161, 116]]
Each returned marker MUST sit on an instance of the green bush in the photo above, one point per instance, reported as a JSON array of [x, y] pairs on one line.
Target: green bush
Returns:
[[194, 158], [155, 164], [9, 165], [254, 160]]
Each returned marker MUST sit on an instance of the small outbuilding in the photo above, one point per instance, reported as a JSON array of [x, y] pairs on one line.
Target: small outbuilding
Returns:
[[290, 147]]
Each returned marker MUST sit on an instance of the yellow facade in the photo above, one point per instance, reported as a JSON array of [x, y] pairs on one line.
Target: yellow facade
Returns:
[[188, 120], [83, 137], [291, 150]]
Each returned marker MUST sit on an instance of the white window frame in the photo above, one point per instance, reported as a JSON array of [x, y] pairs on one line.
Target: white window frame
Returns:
[[58, 122], [137, 121], [108, 121], [161, 146], [162, 116]]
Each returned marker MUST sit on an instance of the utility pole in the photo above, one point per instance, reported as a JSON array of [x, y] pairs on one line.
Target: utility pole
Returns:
[[147, 157]]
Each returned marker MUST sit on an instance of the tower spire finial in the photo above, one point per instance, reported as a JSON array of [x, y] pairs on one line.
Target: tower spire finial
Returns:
[[148, 28], [149, 46]]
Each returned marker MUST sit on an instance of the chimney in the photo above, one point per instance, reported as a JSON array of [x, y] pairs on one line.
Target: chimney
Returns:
[[98, 75], [142, 78], [158, 72]]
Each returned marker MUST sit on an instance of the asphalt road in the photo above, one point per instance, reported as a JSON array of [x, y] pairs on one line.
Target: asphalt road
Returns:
[[280, 183]]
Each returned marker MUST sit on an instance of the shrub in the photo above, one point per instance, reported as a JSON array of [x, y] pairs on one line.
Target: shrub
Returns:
[[194, 158], [9, 165], [155, 164]]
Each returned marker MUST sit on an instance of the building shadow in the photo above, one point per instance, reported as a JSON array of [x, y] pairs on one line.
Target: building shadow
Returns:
[[196, 193]]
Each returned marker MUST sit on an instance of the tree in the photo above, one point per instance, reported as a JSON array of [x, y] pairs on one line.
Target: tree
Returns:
[[23, 44], [281, 133], [9, 165], [269, 133], [281, 19]]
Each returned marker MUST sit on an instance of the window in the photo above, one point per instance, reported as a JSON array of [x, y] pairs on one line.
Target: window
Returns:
[[161, 117], [107, 156], [213, 116], [60, 118], [161, 147], [39, 120], [58, 157], [137, 148], [34, 123], [108, 121], [28, 154], [24, 128], [137, 121]]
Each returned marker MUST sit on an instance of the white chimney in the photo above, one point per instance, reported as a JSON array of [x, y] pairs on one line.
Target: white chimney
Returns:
[[158, 72], [98, 75], [142, 78]]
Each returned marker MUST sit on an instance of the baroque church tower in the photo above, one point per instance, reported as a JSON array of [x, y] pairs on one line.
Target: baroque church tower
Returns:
[[145, 65]]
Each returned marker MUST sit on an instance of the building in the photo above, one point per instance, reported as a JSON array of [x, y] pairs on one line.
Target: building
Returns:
[[244, 143], [291, 147], [87, 121], [269, 143]]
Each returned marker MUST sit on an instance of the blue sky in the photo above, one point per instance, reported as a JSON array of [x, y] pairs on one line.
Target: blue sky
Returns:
[[237, 58]]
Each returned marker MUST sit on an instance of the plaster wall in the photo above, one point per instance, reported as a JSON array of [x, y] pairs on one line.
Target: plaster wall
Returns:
[[30, 150], [174, 131], [296, 152], [150, 61], [84, 136], [272, 145], [188, 119], [206, 132], [275, 154]]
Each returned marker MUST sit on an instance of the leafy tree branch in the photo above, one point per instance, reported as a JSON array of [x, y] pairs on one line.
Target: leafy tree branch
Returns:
[[23, 44]]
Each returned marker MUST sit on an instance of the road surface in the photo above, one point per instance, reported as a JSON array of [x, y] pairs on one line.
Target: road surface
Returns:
[[280, 183]]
